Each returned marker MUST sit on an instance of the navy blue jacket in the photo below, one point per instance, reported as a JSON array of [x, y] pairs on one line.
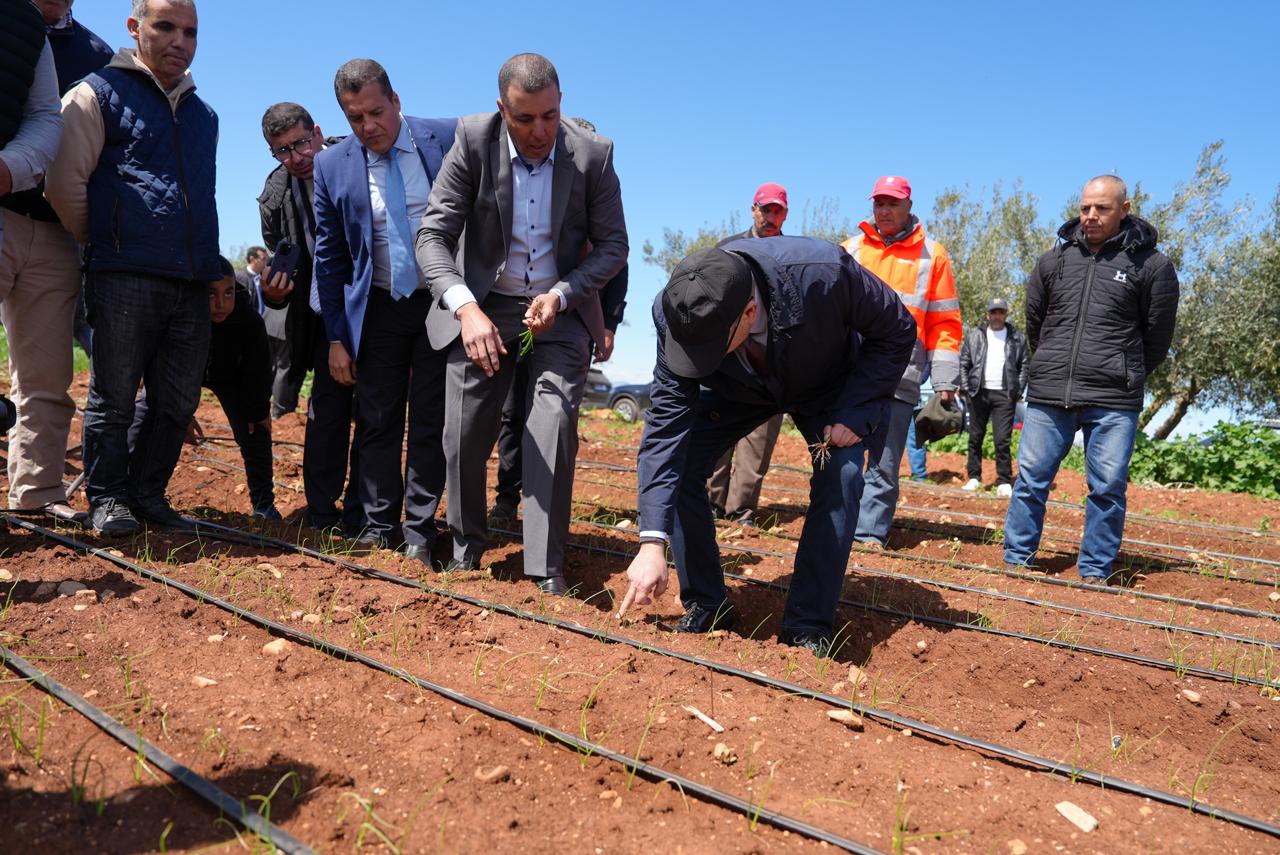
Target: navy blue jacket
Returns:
[[839, 340], [77, 53], [151, 198], [344, 224]]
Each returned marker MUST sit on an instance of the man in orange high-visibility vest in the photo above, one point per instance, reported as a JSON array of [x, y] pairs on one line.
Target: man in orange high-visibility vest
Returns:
[[893, 246]]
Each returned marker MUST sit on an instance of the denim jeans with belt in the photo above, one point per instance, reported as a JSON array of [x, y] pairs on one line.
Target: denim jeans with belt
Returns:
[[1047, 433], [147, 329]]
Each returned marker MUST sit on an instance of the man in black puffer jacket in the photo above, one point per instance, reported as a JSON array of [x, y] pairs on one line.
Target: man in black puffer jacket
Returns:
[[1100, 313]]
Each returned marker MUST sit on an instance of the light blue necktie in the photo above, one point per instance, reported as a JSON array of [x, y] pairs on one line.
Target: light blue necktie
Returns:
[[404, 270]]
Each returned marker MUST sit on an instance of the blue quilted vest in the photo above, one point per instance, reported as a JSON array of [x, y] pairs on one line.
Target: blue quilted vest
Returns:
[[151, 198]]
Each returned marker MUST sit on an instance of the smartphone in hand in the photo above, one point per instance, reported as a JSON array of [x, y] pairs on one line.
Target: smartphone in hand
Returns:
[[285, 259]]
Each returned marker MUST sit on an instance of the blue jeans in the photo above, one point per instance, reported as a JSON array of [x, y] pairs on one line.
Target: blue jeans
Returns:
[[825, 540], [917, 455], [1047, 433], [880, 495], [152, 330]]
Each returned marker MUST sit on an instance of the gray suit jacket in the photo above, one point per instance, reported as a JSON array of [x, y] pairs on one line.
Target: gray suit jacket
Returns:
[[473, 192]]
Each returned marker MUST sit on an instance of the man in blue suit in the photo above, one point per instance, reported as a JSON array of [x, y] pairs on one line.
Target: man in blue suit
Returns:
[[371, 190]]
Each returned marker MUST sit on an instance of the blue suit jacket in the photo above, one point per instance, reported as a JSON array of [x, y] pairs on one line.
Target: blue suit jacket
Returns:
[[343, 270]]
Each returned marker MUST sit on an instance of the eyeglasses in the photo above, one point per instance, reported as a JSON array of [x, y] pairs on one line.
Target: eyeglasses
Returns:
[[283, 152]]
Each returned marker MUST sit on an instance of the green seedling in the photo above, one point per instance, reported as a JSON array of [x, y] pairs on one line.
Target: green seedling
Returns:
[[648, 725], [163, 846], [526, 342], [757, 807], [264, 804], [1209, 769], [902, 838]]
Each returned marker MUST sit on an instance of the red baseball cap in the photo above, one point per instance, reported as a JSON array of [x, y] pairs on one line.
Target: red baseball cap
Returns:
[[771, 194], [892, 185]]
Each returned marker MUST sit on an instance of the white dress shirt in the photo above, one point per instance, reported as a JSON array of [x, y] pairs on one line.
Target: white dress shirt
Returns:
[[531, 264], [417, 188]]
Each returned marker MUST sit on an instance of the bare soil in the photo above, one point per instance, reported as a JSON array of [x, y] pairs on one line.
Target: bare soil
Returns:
[[353, 759]]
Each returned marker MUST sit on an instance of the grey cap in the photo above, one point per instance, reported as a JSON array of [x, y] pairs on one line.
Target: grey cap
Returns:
[[998, 303]]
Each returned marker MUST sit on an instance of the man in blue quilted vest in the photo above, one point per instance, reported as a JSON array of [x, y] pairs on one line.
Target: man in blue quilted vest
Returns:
[[134, 184]]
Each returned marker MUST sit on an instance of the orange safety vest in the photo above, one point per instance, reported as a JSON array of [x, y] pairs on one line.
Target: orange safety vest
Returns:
[[919, 269]]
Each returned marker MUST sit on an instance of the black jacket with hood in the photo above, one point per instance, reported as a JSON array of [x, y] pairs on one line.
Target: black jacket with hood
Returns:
[[1098, 324], [973, 361]]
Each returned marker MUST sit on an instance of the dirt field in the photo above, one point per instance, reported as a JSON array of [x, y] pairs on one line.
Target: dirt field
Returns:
[[1165, 683]]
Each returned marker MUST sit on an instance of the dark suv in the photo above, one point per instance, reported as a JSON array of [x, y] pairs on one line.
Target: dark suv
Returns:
[[628, 401]]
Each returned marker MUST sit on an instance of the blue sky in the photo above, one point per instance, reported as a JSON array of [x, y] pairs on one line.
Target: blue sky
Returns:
[[706, 101]]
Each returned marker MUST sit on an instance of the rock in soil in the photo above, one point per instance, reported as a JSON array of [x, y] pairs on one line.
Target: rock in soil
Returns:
[[1194, 697], [69, 588], [1077, 816], [492, 774], [1017, 847], [203, 682], [725, 754], [846, 717], [5, 575], [279, 647]]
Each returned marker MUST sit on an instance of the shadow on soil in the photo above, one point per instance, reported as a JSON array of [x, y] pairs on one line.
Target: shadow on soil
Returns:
[[147, 817]]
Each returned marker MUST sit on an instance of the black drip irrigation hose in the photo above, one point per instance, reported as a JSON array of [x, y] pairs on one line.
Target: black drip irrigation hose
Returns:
[[1169, 599], [1004, 752], [1187, 550], [969, 589], [756, 813], [201, 788]]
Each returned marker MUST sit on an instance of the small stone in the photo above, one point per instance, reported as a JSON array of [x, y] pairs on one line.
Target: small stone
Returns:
[[608, 794], [86, 594], [1274, 596], [270, 568], [214, 639], [1017, 847], [846, 717], [79, 607], [1145, 811], [117, 553], [279, 647], [203, 682], [492, 774], [1194, 697], [921, 647], [724, 754], [857, 676], [44, 589], [1222, 601], [311, 618], [1029, 683], [5, 575], [1077, 816], [296, 613], [838, 688], [624, 524], [1235, 705], [202, 468], [69, 588], [906, 731]]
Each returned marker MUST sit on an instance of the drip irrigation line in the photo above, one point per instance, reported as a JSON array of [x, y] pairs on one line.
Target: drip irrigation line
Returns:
[[1068, 537], [1017, 756], [200, 787], [1034, 578], [235, 467], [969, 589], [584, 746]]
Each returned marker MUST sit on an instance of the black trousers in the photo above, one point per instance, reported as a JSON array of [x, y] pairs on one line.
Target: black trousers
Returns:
[[397, 367], [255, 444], [284, 392], [511, 438], [328, 447], [997, 407]]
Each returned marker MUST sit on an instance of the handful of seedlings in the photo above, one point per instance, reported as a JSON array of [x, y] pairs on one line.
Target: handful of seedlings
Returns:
[[821, 453], [526, 342]]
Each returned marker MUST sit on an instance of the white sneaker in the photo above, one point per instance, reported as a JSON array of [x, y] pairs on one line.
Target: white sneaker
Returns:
[[972, 485], [1004, 491]]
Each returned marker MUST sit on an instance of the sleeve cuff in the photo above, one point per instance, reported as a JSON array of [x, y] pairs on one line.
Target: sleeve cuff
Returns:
[[653, 535], [457, 296], [564, 301]]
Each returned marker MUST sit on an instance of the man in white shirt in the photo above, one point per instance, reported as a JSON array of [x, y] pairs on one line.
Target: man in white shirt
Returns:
[[993, 374]]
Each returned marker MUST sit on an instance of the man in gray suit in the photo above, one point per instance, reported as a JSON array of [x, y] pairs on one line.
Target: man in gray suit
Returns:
[[530, 193]]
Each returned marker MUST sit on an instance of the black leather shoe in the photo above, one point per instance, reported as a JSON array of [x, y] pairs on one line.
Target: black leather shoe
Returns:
[[700, 619], [553, 585], [456, 566], [162, 515], [418, 552], [368, 541], [502, 515], [818, 645]]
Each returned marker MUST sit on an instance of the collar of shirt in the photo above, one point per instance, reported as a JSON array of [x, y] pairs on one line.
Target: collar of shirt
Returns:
[[404, 143], [64, 22], [515, 154]]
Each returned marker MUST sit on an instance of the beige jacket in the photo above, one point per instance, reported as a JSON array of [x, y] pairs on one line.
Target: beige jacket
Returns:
[[83, 135]]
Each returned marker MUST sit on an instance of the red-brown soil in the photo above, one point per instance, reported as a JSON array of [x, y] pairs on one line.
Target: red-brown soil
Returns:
[[369, 761]]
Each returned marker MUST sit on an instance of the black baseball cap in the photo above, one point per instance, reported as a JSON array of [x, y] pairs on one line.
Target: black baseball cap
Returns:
[[704, 298], [998, 304]]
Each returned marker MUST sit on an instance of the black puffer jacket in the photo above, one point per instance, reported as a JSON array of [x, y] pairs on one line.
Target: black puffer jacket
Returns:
[[973, 361], [1099, 324]]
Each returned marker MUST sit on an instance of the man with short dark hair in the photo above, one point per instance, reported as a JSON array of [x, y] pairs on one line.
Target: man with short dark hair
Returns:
[[745, 331], [735, 489], [134, 182], [530, 191], [39, 273], [1101, 308], [294, 139], [993, 373], [250, 279], [371, 190]]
